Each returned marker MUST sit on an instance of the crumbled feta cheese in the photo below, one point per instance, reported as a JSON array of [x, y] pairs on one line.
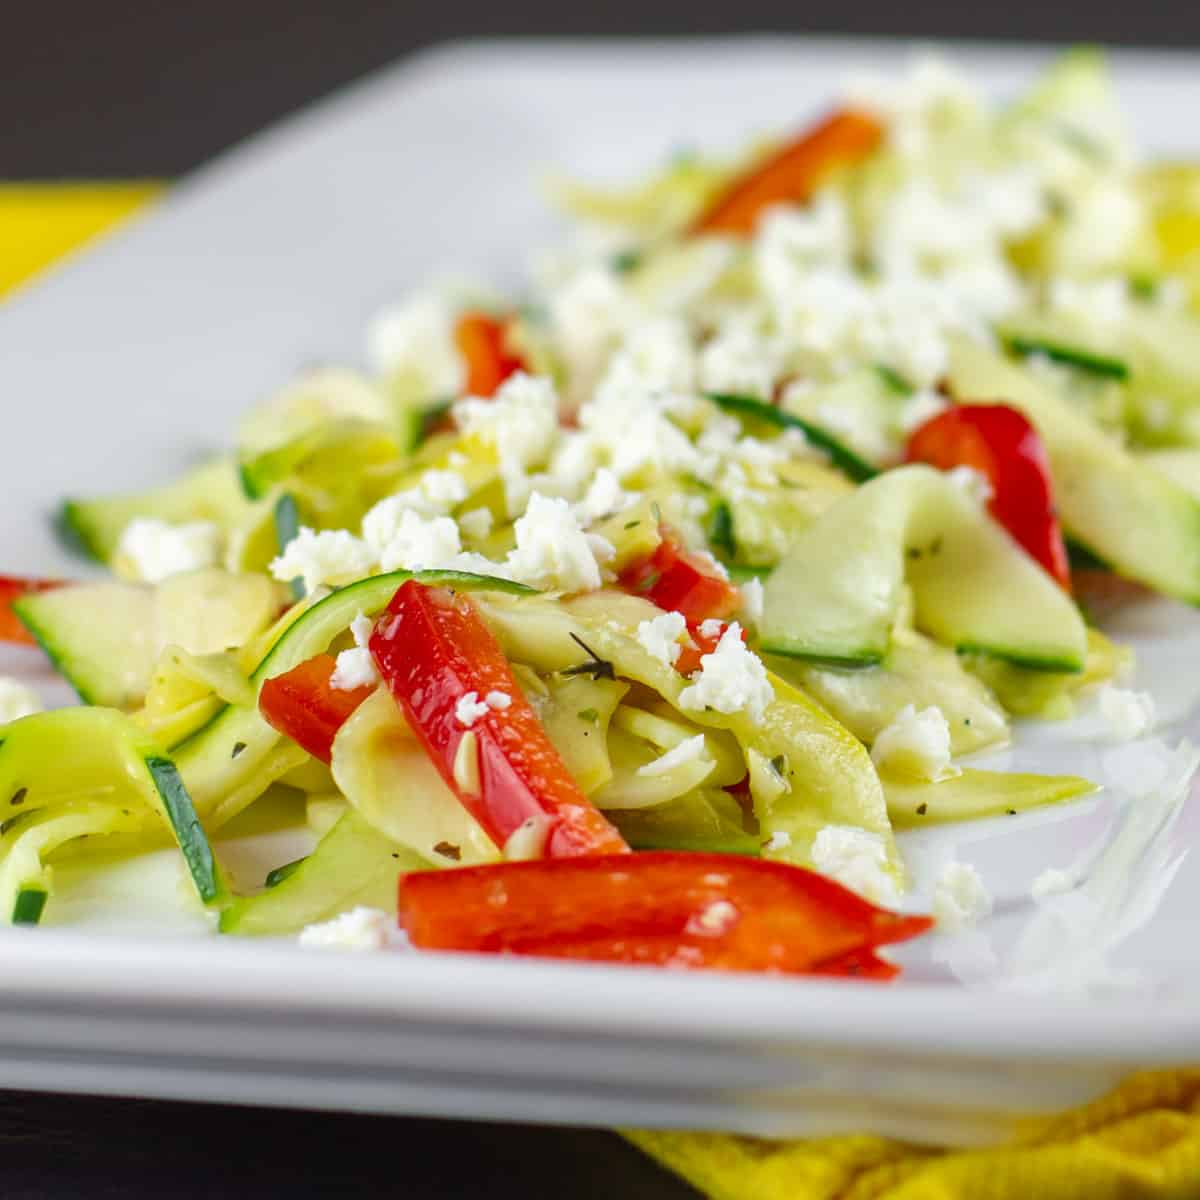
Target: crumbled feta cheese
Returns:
[[521, 421], [359, 929], [552, 551], [656, 356], [477, 523], [498, 700], [16, 700], [660, 636], [436, 493], [469, 709], [157, 549], [1106, 222], [1103, 302], [416, 339], [1128, 714], [333, 557], [972, 483], [604, 497], [355, 668], [589, 313], [731, 679], [528, 840], [711, 628], [857, 859], [740, 362], [915, 744], [691, 750], [779, 840], [418, 544], [751, 611], [960, 899]]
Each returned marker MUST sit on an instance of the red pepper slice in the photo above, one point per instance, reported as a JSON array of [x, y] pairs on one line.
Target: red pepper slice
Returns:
[[681, 582], [792, 175], [481, 340], [1000, 443], [13, 588], [671, 908], [432, 648], [302, 705]]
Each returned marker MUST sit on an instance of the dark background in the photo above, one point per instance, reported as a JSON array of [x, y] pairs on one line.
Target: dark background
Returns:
[[116, 88], [104, 87]]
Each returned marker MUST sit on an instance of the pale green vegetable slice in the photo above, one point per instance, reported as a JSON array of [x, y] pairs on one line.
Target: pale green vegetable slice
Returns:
[[975, 794]]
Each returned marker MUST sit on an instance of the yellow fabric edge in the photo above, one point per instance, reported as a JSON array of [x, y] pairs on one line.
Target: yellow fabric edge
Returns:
[[42, 222], [1142, 1140]]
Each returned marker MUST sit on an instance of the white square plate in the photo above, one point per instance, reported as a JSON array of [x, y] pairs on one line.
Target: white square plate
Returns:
[[127, 362]]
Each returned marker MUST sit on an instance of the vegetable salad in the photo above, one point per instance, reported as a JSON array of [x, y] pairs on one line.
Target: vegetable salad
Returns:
[[627, 618]]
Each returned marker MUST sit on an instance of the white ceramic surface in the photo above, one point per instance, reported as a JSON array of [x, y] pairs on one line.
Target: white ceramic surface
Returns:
[[126, 362]]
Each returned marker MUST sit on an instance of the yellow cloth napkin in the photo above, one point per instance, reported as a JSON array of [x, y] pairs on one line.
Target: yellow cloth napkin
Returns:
[[40, 222], [1141, 1141]]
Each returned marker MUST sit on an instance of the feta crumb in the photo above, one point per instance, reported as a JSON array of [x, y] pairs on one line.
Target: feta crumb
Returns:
[[731, 679], [739, 362], [751, 611], [857, 859], [355, 668], [972, 483], [660, 636], [521, 422], [960, 899], [1053, 881], [435, 494], [469, 709], [779, 840], [552, 550], [413, 542], [711, 628], [359, 929], [604, 497], [157, 549], [417, 338], [1127, 714], [333, 556], [528, 840], [16, 700], [477, 523], [691, 750], [361, 629], [1103, 302], [498, 700], [916, 745]]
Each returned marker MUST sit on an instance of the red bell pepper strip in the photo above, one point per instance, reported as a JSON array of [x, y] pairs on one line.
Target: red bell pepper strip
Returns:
[[432, 648], [1002, 445], [792, 175], [13, 588], [668, 908], [481, 342], [681, 582], [302, 705]]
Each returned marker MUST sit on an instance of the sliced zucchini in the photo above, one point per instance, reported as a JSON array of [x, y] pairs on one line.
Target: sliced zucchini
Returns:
[[352, 864], [1182, 466], [976, 794], [752, 410], [837, 596], [1128, 514], [868, 404], [709, 821], [390, 781], [220, 759], [105, 638], [209, 493], [1028, 340], [915, 671], [53, 761]]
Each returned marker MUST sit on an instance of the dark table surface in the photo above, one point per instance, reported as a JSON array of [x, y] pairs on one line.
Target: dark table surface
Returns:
[[132, 88]]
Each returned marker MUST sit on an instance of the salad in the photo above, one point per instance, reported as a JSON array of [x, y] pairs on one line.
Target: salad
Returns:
[[628, 618]]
